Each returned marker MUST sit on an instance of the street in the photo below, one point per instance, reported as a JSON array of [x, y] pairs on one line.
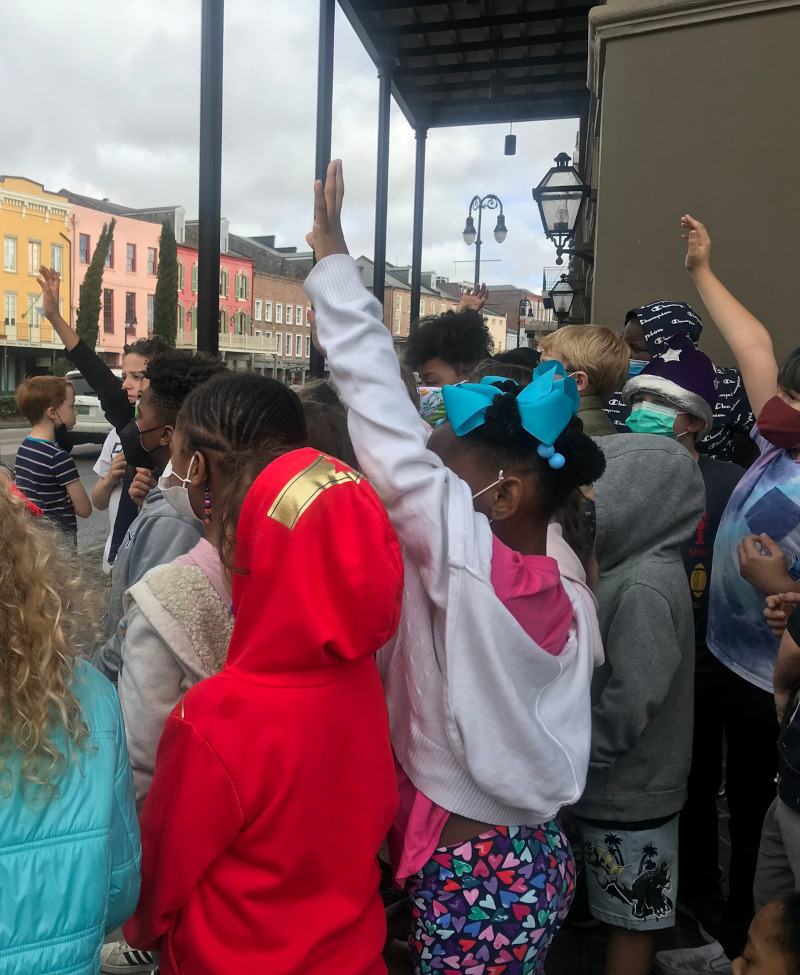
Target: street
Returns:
[[92, 531]]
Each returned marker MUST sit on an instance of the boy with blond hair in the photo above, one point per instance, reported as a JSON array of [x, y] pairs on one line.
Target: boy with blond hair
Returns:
[[597, 359], [45, 473]]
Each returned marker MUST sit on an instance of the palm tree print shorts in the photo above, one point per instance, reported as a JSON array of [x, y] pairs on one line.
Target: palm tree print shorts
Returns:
[[492, 904], [632, 872]]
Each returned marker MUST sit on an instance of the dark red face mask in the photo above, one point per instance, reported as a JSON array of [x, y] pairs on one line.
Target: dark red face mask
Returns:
[[780, 424]]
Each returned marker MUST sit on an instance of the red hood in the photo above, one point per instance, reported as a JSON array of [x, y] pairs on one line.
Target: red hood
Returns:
[[323, 571]]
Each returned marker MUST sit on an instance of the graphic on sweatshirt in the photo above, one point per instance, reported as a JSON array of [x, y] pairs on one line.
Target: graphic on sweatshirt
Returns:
[[494, 903], [645, 893]]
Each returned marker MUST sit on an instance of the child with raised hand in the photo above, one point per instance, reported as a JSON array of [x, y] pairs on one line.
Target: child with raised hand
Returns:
[[45, 473], [755, 554], [487, 683], [69, 840]]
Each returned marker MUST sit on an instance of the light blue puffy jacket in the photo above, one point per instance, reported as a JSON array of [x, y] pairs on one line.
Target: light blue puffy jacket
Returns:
[[69, 868]]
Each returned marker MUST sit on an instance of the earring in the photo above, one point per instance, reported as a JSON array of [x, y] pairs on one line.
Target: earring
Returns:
[[206, 506]]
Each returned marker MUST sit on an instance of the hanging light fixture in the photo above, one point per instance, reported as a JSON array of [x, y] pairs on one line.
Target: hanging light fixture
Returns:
[[559, 197]]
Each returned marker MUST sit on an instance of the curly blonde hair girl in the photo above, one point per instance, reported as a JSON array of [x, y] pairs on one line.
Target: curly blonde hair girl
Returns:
[[46, 615]]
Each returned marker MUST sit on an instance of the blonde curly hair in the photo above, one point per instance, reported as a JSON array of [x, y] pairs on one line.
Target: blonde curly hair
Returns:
[[46, 617]]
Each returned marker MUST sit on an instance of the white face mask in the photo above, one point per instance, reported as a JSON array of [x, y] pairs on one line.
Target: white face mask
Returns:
[[177, 495]]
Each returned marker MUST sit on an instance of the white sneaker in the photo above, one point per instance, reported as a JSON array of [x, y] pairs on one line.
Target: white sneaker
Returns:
[[708, 960], [118, 958]]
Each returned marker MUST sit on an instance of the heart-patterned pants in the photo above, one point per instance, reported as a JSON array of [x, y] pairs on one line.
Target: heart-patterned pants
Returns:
[[492, 905]]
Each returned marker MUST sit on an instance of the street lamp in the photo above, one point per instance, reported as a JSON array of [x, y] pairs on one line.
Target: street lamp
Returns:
[[559, 197], [471, 236], [525, 315], [561, 294]]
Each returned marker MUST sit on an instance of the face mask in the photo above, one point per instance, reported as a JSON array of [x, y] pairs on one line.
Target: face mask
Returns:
[[635, 366], [135, 454], [652, 418], [177, 495], [489, 487], [780, 424]]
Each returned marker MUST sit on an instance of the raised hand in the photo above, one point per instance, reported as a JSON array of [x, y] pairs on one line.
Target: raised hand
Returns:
[[474, 298], [50, 283], [698, 251], [326, 237]]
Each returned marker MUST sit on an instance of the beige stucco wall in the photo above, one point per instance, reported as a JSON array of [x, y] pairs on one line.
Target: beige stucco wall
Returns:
[[704, 117]]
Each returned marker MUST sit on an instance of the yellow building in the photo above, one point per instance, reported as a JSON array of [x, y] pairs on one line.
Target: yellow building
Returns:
[[35, 228]]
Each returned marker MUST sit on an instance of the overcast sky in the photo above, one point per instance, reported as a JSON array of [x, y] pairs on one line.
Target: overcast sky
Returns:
[[103, 96]]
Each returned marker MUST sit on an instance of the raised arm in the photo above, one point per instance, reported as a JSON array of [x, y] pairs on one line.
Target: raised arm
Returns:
[[748, 339], [50, 284], [387, 435]]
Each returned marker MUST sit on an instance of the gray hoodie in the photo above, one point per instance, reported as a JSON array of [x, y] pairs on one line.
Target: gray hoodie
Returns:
[[156, 537], [650, 499]]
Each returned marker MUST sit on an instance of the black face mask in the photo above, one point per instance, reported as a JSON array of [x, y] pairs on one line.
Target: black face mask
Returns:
[[135, 454]]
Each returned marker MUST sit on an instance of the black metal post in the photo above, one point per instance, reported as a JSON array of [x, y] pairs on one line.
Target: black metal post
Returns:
[[478, 243], [416, 246], [382, 190], [327, 14], [209, 209]]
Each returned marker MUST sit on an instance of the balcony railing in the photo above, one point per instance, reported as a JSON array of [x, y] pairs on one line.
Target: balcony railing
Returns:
[[230, 342], [21, 333]]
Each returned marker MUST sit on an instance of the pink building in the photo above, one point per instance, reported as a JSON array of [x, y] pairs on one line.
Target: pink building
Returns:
[[235, 299], [129, 278]]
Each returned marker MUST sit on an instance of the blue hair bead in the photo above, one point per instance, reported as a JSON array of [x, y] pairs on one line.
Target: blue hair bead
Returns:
[[545, 451], [557, 461]]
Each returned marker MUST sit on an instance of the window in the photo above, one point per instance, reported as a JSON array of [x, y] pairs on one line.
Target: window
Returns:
[[422, 306], [279, 313], [180, 324], [151, 304], [290, 314], [399, 302], [194, 278], [110, 254], [34, 256], [279, 343], [181, 275], [288, 345], [308, 322], [57, 258], [397, 324], [130, 307], [308, 346], [130, 257], [108, 310], [257, 310], [223, 320], [152, 264], [433, 308], [35, 310], [267, 311], [298, 346], [223, 284], [242, 287], [268, 335], [9, 309], [193, 318], [83, 248], [10, 253]]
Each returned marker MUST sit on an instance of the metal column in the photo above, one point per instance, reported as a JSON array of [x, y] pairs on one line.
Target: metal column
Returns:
[[327, 13], [416, 247], [382, 189], [210, 176]]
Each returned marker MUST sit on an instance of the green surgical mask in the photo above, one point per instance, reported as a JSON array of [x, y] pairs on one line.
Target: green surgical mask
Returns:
[[652, 418]]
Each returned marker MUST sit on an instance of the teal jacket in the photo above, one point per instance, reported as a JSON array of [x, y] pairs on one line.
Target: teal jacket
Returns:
[[69, 868]]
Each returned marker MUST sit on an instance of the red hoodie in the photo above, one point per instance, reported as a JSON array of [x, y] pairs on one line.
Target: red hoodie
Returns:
[[274, 784]]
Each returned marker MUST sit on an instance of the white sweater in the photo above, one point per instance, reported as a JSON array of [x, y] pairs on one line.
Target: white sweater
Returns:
[[484, 721]]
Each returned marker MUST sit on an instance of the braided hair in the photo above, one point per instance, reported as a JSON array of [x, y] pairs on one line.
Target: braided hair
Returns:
[[504, 444], [174, 375]]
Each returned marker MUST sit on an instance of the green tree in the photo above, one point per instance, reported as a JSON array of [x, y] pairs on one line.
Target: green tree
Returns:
[[165, 303], [87, 321], [60, 366]]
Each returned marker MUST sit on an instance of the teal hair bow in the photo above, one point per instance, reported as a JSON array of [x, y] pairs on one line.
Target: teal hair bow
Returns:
[[545, 406]]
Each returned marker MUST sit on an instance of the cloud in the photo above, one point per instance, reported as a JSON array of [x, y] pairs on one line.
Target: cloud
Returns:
[[106, 101]]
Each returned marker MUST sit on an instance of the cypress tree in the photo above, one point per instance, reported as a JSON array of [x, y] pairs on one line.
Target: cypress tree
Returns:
[[165, 302], [87, 320]]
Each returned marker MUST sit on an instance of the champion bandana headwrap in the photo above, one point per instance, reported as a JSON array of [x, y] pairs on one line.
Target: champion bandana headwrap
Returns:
[[545, 406]]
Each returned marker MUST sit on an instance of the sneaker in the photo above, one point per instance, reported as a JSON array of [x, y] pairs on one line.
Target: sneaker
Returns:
[[118, 958], [708, 960], [707, 912]]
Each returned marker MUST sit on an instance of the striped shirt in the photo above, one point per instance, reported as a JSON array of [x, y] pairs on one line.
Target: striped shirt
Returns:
[[42, 471]]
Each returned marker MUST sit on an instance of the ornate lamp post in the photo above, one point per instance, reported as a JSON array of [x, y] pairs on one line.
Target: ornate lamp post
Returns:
[[559, 197], [471, 236]]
